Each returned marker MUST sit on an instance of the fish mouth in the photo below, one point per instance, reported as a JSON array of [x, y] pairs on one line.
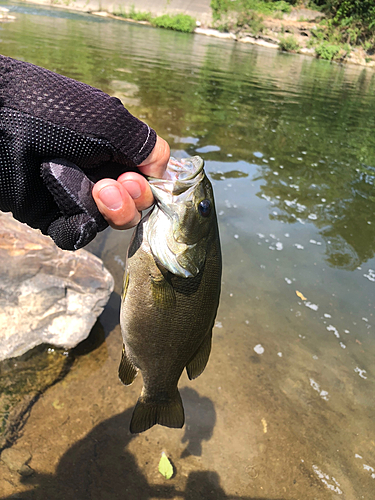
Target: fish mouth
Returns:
[[178, 177], [177, 184], [173, 194]]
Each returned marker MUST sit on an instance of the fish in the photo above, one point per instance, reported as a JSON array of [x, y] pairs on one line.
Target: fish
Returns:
[[171, 292]]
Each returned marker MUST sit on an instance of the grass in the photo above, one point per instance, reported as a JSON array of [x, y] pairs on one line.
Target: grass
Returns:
[[222, 7], [230, 15], [178, 22], [250, 21], [327, 51], [133, 14], [329, 43], [288, 44]]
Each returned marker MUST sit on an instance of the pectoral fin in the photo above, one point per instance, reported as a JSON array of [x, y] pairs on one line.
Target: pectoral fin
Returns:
[[127, 371], [125, 285], [163, 293], [198, 363]]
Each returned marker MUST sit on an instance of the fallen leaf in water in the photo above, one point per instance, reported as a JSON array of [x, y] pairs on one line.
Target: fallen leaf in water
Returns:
[[57, 405], [264, 423], [165, 466], [300, 295]]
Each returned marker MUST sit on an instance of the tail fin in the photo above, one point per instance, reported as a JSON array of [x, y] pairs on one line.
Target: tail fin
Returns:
[[148, 413]]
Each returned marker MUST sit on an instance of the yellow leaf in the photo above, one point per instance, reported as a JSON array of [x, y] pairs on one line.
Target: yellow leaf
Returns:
[[165, 466], [300, 295], [58, 406], [264, 423]]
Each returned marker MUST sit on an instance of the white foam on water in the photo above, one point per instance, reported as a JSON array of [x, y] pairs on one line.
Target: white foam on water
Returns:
[[360, 372], [331, 328], [371, 275], [312, 306], [327, 481], [323, 394], [259, 349]]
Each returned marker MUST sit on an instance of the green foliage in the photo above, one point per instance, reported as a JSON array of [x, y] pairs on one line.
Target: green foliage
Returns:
[[353, 19], [368, 46], [133, 14], [288, 44], [222, 7], [179, 22], [282, 6], [252, 20], [314, 5], [139, 16], [327, 51]]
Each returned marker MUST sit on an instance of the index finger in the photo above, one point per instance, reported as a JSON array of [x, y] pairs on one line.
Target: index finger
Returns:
[[156, 162]]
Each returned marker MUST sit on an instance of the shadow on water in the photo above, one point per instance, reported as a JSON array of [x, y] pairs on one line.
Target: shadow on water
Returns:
[[200, 421], [100, 466]]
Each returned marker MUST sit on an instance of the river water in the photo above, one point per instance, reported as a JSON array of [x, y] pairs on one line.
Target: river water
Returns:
[[285, 407]]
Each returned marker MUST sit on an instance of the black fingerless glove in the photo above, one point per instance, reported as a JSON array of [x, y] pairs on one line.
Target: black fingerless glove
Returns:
[[57, 137]]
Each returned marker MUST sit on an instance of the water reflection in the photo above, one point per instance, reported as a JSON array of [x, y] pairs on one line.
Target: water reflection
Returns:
[[338, 199]]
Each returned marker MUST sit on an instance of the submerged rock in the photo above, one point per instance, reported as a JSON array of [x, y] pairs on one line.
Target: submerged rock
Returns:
[[47, 295], [16, 459]]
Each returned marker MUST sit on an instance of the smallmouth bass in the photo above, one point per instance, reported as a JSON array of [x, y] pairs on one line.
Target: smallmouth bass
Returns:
[[171, 292]]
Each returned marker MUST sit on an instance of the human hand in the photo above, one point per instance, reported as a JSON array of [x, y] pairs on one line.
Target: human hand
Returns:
[[60, 141], [121, 202]]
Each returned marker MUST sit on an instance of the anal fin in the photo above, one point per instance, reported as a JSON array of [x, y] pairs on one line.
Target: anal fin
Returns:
[[198, 363], [127, 371]]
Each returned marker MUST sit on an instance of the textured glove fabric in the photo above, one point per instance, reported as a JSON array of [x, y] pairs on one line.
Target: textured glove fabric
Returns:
[[57, 137]]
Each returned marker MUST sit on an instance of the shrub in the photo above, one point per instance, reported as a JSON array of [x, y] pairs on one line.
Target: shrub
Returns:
[[288, 44], [179, 22], [327, 51], [252, 20], [358, 13]]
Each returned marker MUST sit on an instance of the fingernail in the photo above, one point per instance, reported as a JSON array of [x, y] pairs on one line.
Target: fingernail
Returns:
[[111, 197], [133, 188]]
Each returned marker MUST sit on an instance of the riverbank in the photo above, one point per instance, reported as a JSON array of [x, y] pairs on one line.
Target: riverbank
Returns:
[[291, 32]]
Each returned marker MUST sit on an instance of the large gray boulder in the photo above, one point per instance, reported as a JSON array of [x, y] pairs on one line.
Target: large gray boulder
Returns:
[[47, 295]]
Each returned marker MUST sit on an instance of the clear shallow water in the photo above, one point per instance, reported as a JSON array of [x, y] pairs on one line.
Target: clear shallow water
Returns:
[[286, 405]]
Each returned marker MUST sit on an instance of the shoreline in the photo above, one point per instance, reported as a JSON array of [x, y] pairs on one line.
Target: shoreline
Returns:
[[355, 58], [270, 40]]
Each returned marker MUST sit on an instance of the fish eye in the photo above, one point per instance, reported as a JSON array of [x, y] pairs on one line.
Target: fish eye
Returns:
[[204, 208]]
